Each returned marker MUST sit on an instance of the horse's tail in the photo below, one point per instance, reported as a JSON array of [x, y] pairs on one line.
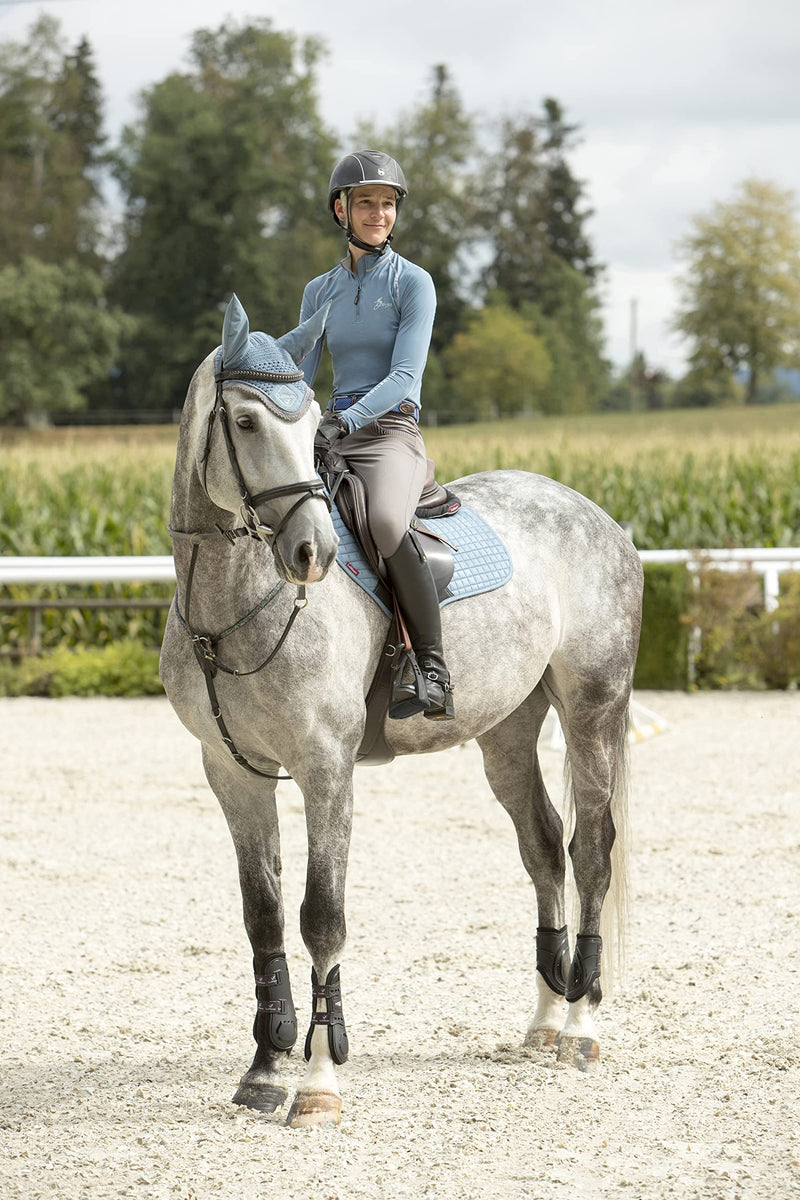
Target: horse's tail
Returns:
[[614, 917]]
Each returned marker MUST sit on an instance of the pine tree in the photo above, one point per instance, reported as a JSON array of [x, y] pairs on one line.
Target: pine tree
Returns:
[[50, 119], [541, 258], [563, 196]]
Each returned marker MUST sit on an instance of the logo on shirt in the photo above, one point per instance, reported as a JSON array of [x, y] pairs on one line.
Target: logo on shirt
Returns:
[[380, 303]]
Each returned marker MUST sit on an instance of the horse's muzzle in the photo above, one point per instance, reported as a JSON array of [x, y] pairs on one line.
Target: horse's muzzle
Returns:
[[307, 560]]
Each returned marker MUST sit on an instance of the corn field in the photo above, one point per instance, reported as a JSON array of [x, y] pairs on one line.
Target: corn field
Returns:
[[693, 479]]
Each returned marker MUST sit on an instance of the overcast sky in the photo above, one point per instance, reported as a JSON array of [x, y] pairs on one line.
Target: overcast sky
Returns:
[[678, 101]]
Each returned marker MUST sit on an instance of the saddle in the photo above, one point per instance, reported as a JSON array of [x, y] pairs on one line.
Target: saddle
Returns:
[[435, 501]]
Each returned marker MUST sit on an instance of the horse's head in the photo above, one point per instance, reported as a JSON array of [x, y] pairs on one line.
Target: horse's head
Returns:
[[258, 457]]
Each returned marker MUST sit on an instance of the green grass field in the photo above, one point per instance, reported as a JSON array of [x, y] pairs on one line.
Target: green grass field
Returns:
[[717, 477], [689, 479]]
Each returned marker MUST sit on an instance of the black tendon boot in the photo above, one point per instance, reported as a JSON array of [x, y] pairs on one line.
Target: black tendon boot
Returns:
[[429, 690]]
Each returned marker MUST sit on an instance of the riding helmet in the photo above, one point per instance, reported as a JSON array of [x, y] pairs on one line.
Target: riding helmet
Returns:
[[366, 166]]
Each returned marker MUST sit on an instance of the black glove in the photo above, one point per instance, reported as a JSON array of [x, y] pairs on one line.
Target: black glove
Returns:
[[331, 430]]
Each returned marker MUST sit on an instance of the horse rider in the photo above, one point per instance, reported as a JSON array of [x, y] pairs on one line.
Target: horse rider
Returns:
[[378, 332]]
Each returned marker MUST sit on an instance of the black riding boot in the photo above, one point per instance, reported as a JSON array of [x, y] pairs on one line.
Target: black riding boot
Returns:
[[416, 594]]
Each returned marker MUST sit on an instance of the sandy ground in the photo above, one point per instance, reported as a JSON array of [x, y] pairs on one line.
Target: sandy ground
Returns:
[[126, 1002]]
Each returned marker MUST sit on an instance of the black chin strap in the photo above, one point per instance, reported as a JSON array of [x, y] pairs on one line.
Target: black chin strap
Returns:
[[357, 242]]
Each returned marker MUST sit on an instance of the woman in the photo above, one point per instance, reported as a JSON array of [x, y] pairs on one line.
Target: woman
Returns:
[[378, 331]]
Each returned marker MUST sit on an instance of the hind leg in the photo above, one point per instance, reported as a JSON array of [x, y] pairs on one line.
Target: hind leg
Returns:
[[594, 717], [512, 768]]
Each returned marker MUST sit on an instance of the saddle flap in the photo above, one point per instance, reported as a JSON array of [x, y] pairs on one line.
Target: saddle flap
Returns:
[[351, 501]]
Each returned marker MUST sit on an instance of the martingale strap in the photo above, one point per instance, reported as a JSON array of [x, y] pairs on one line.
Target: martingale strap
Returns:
[[205, 650]]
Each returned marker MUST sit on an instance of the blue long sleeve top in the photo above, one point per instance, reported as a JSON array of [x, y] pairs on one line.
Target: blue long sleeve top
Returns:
[[378, 332]]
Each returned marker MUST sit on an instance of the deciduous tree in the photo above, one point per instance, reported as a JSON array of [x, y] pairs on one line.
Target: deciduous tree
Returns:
[[497, 366], [225, 180], [59, 337], [740, 289]]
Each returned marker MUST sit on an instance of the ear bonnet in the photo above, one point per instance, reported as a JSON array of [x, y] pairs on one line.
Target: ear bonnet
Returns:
[[266, 364]]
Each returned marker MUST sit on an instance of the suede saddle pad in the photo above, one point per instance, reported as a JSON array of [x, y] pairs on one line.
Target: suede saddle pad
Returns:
[[481, 562]]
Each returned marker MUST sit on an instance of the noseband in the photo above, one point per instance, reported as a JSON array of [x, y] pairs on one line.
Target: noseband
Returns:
[[309, 488], [204, 644]]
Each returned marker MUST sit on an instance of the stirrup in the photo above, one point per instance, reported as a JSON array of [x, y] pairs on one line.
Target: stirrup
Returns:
[[440, 677], [444, 711], [408, 699]]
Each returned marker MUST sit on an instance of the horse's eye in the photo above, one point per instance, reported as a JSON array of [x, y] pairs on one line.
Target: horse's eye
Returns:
[[245, 422]]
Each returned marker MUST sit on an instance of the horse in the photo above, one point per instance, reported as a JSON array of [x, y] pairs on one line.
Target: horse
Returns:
[[269, 651]]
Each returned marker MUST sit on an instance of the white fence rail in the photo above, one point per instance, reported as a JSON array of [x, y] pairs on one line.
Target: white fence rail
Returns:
[[768, 562], [150, 568], [35, 569], [765, 561]]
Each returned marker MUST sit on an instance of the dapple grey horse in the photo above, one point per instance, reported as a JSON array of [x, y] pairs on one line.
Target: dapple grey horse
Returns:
[[266, 693]]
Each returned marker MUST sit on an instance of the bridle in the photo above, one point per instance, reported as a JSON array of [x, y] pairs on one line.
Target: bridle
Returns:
[[309, 488], [205, 644]]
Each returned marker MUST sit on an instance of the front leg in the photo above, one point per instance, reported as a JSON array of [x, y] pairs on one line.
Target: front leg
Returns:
[[329, 810], [250, 810]]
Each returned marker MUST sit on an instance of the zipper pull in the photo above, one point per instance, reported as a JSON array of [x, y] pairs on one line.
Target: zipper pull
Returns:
[[358, 293]]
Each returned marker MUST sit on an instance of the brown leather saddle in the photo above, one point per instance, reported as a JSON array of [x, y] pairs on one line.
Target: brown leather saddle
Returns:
[[435, 501]]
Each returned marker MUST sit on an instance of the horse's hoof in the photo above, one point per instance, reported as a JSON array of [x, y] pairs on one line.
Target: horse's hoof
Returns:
[[311, 1110], [541, 1039], [265, 1098], [580, 1052]]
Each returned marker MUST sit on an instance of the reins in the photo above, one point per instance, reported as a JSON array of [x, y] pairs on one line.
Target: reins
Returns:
[[205, 644]]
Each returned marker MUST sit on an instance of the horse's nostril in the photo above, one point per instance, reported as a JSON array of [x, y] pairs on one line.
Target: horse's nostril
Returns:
[[305, 552]]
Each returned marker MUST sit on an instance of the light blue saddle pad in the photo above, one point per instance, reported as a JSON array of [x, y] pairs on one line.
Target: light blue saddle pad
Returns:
[[482, 562]]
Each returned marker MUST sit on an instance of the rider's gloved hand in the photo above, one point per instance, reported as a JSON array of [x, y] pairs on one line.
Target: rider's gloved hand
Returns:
[[331, 430]]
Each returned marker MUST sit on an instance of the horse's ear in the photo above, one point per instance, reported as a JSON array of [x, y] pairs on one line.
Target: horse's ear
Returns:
[[298, 342], [235, 331]]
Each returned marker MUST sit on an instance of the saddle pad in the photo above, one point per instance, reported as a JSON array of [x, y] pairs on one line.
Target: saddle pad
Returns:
[[482, 562]]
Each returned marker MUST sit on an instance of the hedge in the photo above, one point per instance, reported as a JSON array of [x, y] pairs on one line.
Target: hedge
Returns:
[[663, 660], [708, 629], [122, 669]]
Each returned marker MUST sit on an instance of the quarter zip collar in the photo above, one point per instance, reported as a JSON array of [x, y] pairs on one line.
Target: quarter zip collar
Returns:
[[367, 263]]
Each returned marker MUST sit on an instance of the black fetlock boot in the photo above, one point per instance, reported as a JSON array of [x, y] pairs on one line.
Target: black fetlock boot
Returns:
[[429, 690]]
